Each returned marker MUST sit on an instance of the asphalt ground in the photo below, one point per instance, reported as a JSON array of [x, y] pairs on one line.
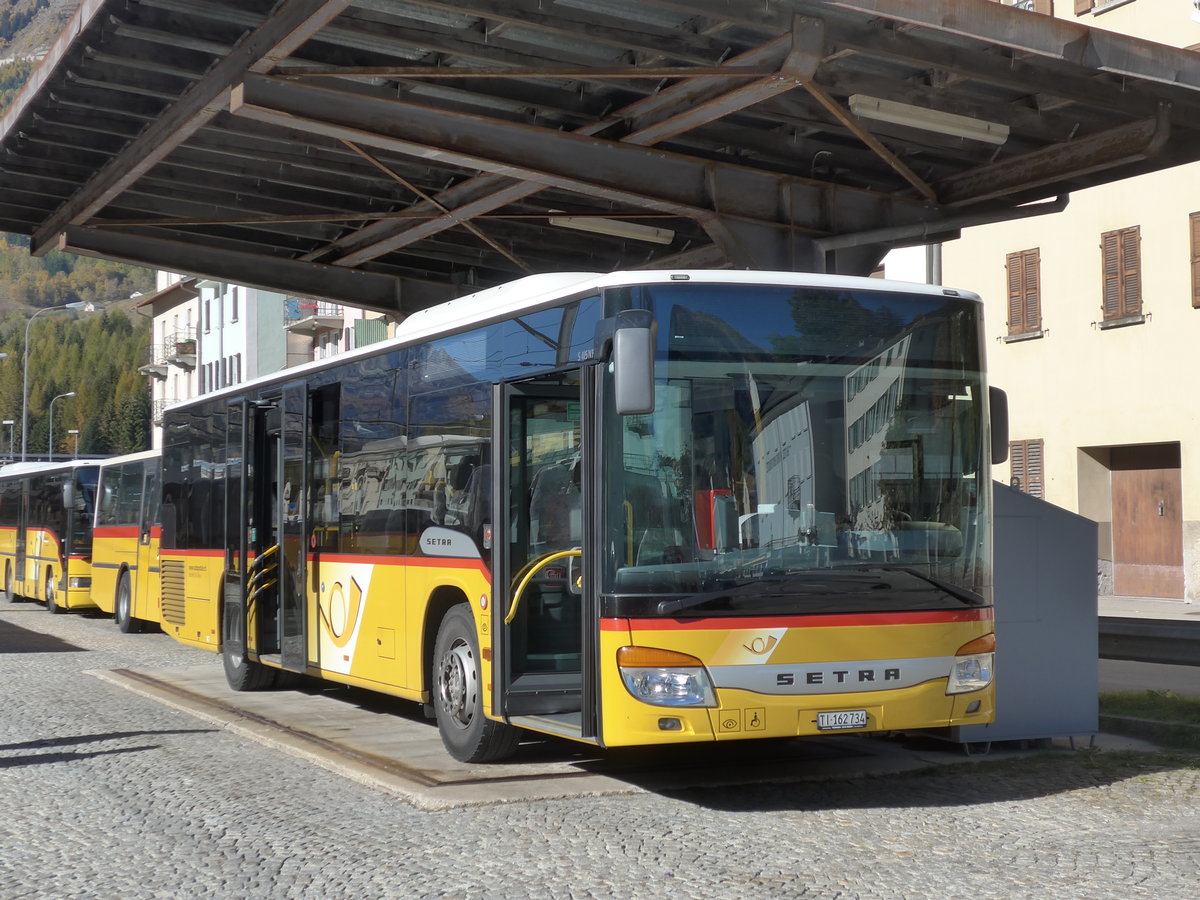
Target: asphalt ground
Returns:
[[127, 772]]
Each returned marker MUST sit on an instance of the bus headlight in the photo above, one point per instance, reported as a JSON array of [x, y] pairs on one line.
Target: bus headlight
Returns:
[[973, 664], [665, 677]]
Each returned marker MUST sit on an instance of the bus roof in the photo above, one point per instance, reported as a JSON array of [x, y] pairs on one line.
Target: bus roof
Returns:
[[536, 292], [130, 457], [25, 468]]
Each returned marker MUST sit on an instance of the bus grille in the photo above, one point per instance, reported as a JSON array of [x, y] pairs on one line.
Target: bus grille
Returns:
[[173, 606]]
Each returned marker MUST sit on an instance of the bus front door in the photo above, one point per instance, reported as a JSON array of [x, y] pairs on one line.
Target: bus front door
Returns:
[[543, 618]]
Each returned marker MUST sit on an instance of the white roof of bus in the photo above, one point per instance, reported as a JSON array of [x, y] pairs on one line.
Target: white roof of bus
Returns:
[[21, 468], [537, 291], [130, 457]]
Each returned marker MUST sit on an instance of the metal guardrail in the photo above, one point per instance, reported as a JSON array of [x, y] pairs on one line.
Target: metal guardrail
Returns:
[[1164, 641]]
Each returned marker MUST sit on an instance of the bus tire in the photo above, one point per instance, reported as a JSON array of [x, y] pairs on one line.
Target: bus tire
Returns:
[[468, 734], [243, 673], [52, 603], [123, 608]]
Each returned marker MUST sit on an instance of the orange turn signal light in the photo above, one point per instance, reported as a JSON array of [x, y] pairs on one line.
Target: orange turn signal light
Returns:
[[985, 644], [653, 658]]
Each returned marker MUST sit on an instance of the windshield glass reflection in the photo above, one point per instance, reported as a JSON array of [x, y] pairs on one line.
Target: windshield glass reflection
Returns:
[[810, 449]]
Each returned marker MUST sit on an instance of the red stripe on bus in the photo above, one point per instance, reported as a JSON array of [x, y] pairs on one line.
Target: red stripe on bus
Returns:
[[116, 531], [425, 562], [824, 620]]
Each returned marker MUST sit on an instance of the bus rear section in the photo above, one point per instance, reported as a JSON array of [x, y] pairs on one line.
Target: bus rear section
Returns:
[[46, 513], [125, 548]]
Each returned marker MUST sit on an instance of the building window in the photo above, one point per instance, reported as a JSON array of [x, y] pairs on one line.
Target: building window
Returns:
[[1046, 7], [1025, 462], [233, 305], [1122, 273], [207, 314], [1024, 292], [237, 368]]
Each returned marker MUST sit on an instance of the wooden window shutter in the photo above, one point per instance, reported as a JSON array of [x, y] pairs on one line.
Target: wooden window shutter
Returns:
[[1122, 272], [1025, 461], [1195, 228], [1024, 292], [1082, 6], [1033, 468], [1016, 464], [1045, 7], [1131, 271]]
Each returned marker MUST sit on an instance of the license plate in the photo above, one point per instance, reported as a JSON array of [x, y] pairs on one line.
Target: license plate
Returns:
[[846, 718]]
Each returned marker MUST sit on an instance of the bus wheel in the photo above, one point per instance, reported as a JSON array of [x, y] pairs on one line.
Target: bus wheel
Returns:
[[52, 595], [458, 694], [123, 609], [245, 674]]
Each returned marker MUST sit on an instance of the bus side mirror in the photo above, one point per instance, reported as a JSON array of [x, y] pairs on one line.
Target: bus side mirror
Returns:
[[69, 495], [998, 401], [633, 362]]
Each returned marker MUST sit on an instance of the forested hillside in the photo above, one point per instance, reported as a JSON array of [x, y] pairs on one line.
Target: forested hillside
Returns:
[[28, 27], [94, 354]]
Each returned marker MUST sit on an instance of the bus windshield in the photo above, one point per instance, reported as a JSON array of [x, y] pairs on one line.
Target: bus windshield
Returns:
[[812, 449]]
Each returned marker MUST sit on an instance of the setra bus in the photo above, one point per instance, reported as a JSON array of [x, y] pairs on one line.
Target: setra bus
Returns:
[[46, 532], [637, 508], [125, 543]]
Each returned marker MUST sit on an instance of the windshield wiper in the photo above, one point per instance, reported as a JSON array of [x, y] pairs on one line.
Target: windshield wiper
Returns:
[[830, 581], [967, 596], [799, 584]]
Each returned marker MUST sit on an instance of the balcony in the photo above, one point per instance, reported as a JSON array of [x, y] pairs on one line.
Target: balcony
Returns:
[[180, 349], [309, 318], [154, 362]]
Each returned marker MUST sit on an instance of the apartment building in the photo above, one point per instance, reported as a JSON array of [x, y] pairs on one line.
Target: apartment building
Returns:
[[1093, 316], [210, 334]]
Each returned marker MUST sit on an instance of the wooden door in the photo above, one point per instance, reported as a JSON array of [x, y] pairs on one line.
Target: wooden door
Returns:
[[1147, 490]]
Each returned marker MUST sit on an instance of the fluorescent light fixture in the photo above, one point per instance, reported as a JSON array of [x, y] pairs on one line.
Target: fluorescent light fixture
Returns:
[[615, 228], [928, 119]]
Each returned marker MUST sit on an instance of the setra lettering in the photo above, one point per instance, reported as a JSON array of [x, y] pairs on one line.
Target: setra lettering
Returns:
[[837, 676]]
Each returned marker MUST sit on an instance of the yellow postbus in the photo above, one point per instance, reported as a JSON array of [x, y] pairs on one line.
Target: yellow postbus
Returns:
[[125, 541], [638, 508], [46, 532]]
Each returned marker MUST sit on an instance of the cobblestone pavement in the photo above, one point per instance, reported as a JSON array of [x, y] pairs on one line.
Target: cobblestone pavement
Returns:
[[108, 794]]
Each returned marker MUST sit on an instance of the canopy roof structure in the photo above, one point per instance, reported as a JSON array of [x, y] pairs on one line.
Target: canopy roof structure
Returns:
[[391, 154]]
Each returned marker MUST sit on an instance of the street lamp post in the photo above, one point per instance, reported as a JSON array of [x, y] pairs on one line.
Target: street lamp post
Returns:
[[25, 375], [50, 455]]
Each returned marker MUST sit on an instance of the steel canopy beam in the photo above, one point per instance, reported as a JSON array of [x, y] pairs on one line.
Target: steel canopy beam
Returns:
[[1046, 36], [663, 114], [369, 290], [1119, 146], [293, 23], [665, 182]]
